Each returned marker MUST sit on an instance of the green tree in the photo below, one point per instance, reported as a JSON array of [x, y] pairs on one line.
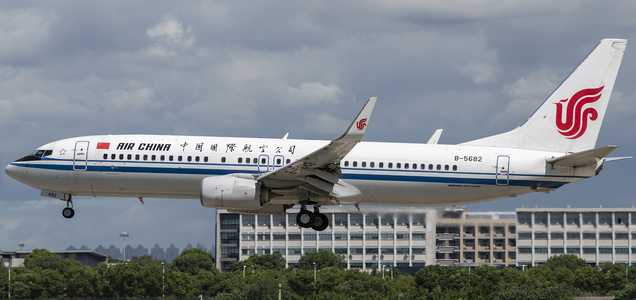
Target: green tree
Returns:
[[147, 261], [588, 279], [403, 285], [569, 261], [153, 280], [44, 259], [430, 276], [4, 281], [302, 282], [538, 292], [80, 282], [613, 277], [179, 285], [202, 282], [274, 261], [192, 261], [322, 258], [126, 280]]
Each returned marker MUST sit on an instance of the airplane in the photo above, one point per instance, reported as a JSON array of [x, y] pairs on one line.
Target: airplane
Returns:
[[555, 146]]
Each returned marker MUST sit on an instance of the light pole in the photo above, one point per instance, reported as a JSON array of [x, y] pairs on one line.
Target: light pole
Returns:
[[124, 235], [163, 281], [391, 272], [21, 245], [252, 269], [383, 266], [244, 271], [314, 273]]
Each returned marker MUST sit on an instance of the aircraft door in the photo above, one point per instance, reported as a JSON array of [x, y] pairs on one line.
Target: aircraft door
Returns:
[[80, 156], [502, 176], [263, 163], [278, 162]]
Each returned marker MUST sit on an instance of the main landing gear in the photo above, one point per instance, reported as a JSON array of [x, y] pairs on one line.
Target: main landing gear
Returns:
[[68, 212], [315, 220]]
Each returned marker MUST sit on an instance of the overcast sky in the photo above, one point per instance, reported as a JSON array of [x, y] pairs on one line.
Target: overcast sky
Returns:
[[266, 68]]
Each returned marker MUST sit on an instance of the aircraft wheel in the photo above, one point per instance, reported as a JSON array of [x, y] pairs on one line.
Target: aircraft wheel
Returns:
[[68, 212], [321, 223], [305, 219]]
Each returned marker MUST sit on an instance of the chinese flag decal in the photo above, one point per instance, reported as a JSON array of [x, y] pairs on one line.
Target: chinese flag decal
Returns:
[[103, 146]]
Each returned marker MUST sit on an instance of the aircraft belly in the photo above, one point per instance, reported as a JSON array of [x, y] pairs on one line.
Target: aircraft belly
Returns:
[[432, 194]]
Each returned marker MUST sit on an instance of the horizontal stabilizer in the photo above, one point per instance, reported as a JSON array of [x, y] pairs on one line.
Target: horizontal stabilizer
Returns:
[[435, 137], [608, 159], [582, 158]]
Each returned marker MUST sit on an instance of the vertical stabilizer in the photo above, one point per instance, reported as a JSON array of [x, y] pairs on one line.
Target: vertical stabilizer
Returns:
[[570, 119]]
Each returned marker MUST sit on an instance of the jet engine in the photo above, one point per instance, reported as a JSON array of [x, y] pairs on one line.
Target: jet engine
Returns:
[[231, 192]]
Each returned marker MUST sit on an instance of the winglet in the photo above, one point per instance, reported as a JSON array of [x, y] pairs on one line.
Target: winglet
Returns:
[[435, 137], [359, 125]]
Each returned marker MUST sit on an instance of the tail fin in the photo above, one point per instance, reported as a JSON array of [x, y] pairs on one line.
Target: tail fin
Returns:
[[582, 97]]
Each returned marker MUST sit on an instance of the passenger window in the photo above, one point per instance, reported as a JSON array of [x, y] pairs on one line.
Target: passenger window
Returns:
[[446, 167], [372, 164], [240, 160], [247, 160], [105, 155], [121, 156], [136, 156], [263, 161], [163, 157], [254, 160], [145, 156], [154, 157], [205, 159], [222, 159], [170, 158], [364, 164], [406, 166], [430, 166], [196, 159], [454, 167], [390, 165], [279, 161], [423, 166], [180, 158], [414, 166], [129, 156], [189, 158], [381, 165], [346, 163], [289, 160], [355, 164], [113, 156], [398, 165], [439, 167]]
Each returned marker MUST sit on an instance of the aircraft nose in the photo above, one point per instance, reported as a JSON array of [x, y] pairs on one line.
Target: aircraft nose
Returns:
[[14, 172]]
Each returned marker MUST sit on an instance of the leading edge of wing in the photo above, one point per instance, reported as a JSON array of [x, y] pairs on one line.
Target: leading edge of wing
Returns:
[[329, 154]]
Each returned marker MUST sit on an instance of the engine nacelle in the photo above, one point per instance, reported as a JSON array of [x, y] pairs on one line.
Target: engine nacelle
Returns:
[[230, 192]]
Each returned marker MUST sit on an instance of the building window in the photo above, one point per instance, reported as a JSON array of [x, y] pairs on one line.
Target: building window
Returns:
[[324, 236], [556, 220], [573, 220], [249, 220], [402, 250], [605, 250], [293, 236], [291, 220], [263, 237], [556, 235], [573, 235], [589, 235], [556, 250], [622, 235], [402, 235], [278, 236], [589, 250], [356, 251], [264, 220], [309, 236], [386, 235], [387, 250], [574, 250], [372, 236], [340, 236], [355, 236], [418, 236], [540, 235], [229, 238], [294, 251], [621, 250], [605, 235], [279, 250], [524, 250], [230, 222], [279, 220], [525, 235], [340, 250], [340, 219], [589, 220], [247, 236], [372, 250], [418, 250], [371, 221]]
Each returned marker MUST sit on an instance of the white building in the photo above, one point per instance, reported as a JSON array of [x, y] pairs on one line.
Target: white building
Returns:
[[597, 235], [372, 238]]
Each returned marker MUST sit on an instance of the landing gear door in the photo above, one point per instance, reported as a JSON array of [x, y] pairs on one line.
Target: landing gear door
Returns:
[[80, 157], [502, 176]]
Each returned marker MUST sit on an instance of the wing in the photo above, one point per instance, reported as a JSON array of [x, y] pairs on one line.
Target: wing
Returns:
[[319, 171]]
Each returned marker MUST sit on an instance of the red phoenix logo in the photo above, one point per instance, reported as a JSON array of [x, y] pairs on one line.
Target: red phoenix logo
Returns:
[[575, 117], [361, 124]]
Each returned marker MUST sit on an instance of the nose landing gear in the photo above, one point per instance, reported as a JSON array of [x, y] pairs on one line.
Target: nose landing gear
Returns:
[[68, 212]]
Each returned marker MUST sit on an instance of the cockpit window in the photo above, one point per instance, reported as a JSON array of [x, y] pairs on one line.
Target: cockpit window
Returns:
[[41, 153]]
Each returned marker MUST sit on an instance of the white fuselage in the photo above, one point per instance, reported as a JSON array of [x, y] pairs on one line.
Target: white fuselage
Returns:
[[397, 174]]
